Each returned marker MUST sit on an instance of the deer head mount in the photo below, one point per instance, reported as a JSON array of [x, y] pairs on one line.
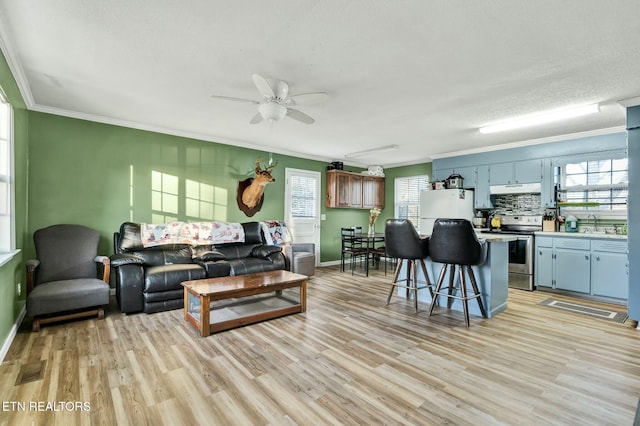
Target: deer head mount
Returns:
[[251, 191]]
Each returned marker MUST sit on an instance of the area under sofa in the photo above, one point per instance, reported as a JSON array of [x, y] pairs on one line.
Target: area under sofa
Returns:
[[148, 279]]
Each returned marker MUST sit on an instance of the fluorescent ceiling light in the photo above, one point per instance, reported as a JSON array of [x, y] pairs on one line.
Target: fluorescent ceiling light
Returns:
[[547, 117], [372, 151]]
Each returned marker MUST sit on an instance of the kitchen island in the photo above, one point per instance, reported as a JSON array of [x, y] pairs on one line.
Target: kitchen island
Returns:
[[492, 277]]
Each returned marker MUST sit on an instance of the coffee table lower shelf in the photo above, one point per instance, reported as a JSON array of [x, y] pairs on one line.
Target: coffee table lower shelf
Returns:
[[217, 304]]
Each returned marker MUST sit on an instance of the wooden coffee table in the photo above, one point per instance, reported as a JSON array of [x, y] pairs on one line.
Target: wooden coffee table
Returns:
[[243, 299]]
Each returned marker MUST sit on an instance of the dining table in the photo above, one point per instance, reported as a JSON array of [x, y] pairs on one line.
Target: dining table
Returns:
[[369, 242]]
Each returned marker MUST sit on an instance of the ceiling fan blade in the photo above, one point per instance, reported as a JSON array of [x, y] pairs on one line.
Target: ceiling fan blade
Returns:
[[281, 89], [229, 98], [308, 98], [300, 116], [256, 119], [263, 86]]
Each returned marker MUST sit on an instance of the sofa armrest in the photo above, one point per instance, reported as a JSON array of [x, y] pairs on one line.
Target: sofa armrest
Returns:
[[118, 260], [129, 273], [106, 267], [130, 287]]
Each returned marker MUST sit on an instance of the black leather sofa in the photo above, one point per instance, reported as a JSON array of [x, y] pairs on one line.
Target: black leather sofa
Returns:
[[148, 279]]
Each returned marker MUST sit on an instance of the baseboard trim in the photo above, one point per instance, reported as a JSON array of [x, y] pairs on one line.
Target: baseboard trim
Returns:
[[12, 334], [330, 263]]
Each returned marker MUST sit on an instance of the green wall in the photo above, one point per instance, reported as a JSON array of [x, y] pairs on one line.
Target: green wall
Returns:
[[100, 175], [12, 273]]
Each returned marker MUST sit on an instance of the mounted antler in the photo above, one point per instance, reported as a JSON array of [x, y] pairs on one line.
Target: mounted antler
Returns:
[[268, 168], [252, 195]]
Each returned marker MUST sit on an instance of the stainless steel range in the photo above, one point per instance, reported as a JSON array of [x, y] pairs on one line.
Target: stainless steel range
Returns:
[[521, 251]]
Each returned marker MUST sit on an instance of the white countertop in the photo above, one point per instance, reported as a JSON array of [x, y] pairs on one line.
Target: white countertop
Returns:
[[581, 235]]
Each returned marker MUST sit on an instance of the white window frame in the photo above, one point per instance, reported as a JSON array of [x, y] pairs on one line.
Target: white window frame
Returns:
[[401, 200], [8, 239], [584, 212]]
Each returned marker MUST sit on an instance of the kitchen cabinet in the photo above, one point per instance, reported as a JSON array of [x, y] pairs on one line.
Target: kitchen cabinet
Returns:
[[526, 171], [482, 196], [441, 174], [372, 192], [599, 267], [572, 270], [547, 194], [469, 174], [543, 264], [609, 269], [354, 190], [563, 264]]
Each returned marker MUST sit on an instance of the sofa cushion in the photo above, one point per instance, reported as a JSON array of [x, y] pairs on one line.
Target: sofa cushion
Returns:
[[165, 256], [129, 238], [169, 277], [217, 269], [252, 233], [66, 295]]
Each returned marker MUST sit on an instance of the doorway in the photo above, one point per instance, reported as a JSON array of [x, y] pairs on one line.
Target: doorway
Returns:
[[302, 206]]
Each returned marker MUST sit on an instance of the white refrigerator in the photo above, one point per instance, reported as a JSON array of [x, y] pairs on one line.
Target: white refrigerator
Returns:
[[444, 203]]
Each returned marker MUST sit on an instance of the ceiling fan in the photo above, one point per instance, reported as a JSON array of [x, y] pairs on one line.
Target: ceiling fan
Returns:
[[276, 101]]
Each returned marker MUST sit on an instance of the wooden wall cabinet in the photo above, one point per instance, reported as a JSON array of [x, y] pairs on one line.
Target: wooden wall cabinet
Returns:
[[354, 190]]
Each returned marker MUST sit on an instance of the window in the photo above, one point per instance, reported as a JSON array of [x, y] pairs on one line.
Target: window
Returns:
[[597, 184], [303, 196], [7, 226], [407, 202]]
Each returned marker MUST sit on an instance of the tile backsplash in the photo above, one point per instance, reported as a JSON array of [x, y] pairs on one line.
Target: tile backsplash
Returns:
[[518, 204]]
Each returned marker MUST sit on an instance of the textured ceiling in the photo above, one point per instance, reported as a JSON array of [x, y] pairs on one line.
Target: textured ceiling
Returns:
[[420, 74]]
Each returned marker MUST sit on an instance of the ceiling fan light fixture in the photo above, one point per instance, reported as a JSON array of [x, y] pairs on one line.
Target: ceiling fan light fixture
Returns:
[[272, 112], [547, 117]]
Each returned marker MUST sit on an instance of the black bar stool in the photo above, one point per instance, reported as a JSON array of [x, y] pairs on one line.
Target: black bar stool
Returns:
[[454, 243], [403, 242]]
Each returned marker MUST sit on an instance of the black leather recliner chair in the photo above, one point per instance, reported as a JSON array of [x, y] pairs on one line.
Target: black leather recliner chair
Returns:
[[148, 279]]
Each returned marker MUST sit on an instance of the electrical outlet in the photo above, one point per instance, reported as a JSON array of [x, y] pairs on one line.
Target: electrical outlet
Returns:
[[19, 289]]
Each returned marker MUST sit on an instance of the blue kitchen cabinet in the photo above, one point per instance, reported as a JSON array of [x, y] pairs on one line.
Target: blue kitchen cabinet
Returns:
[[441, 174], [609, 269], [482, 196], [501, 173], [596, 266], [572, 270], [547, 194], [469, 175], [572, 260], [544, 267], [526, 171]]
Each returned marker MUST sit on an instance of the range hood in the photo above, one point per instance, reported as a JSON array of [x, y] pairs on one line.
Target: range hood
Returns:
[[516, 188]]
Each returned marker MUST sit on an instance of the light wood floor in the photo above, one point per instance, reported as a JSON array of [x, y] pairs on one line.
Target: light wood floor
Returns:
[[348, 360]]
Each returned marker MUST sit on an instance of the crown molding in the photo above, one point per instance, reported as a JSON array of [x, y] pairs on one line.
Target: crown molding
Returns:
[[15, 66], [174, 132]]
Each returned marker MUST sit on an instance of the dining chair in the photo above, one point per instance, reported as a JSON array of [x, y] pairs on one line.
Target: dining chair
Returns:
[[351, 246]]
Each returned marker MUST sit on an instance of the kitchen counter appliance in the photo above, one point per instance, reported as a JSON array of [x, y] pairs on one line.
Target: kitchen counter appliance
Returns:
[[521, 251], [444, 203]]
